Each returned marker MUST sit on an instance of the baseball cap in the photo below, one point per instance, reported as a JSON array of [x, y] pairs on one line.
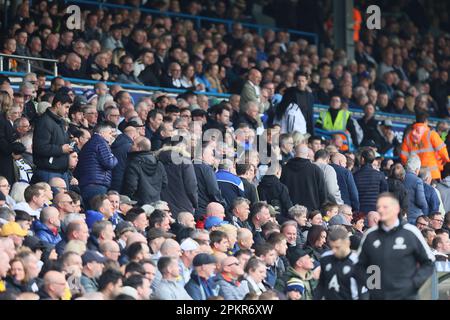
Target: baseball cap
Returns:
[[124, 226], [387, 123], [338, 220], [296, 253], [295, 284], [34, 243], [202, 259], [92, 256], [154, 233], [12, 228], [189, 245], [213, 221], [199, 113], [126, 200]]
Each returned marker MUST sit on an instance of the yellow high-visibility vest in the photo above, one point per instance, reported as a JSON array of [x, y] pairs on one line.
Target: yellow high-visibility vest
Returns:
[[340, 123]]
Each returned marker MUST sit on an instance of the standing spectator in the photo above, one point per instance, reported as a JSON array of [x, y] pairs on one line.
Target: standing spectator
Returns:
[[181, 192], [144, 176], [427, 144], [51, 147], [397, 187], [274, 192], [94, 169], [246, 172], [208, 188], [406, 263], [322, 159], [230, 185], [304, 180], [295, 111], [251, 90], [120, 148], [414, 185], [444, 187], [7, 137], [346, 182], [369, 182], [259, 215], [431, 194], [286, 147], [169, 288], [201, 286]]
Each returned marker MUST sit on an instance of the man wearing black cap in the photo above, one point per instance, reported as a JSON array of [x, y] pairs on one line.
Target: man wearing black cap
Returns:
[[120, 149], [93, 264], [201, 285], [301, 266]]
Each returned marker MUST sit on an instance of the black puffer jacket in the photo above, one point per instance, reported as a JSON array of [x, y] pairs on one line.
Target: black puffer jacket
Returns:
[[49, 135], [144, 177]]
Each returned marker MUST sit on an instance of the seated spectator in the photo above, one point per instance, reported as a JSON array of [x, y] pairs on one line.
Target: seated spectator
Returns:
[[201, 285], [168, 288], [227, 280], [46, 228]]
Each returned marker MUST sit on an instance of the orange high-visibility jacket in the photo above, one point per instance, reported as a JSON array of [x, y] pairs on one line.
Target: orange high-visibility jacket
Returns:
[[428, 146]]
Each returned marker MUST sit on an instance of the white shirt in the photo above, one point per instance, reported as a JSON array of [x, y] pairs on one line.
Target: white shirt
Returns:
[[24, 206]]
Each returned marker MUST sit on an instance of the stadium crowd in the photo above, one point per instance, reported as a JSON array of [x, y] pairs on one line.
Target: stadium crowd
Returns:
[[178, 197]]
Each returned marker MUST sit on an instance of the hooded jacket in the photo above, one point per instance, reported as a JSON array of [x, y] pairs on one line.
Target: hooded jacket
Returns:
[[271, 190], [417, 202], [444, 189], [308, 282], [44, 233], [144, 178], [208, 189], [181, 193], [305, 182]]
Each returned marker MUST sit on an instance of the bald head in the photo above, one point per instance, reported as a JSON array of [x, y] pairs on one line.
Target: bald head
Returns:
[[143, 144], [135, 237], [50, 216], [339, 159], [58, 183], [301, 151], [170, 248], [55, 284], [244, 234], [215, 209]]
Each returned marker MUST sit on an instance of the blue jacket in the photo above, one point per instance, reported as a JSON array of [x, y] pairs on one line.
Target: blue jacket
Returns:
[[95, 163], [92, 217], [417, 202], [199, 289], [432, 198], [45, 234], [370, 184], [120, 148], [230, 185], [346, 182]]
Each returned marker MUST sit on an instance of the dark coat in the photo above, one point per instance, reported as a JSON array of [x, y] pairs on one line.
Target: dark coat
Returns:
[[275, 193], [181, 193], [305, 182], [199, 289], [49, 135], [144, 177], [208, 189], [370, 184], [347, 186], [250, 191], [120, 148], [7, 137], [398, 189], [245, 118], [95, 163]]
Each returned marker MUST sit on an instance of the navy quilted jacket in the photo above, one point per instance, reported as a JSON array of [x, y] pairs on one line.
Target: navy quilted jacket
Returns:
[[95, 163]]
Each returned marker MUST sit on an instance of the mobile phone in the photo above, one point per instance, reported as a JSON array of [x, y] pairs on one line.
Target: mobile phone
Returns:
[[72, 144]]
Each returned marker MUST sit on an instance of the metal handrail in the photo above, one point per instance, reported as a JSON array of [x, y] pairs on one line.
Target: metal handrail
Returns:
[[28, 59], [199, 19]]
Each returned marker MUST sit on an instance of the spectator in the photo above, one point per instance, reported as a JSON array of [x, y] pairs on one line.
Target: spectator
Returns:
[[140, 284], [240, 210], [181, 192], [93, 263], [397, 187], [201, 285], [259, 215], [414, 185], [251, 90], [54, 287], [431, 194], [34, 201], [369, 182], [247, 172], [346, 182], [304, 180], [46, 228], [436, 220], [168, 288], [295, 112], [444, 188], [126, 74], [227, 280], [322, 158], [96, 162], [110, 283], [51, 142], [230, 185]]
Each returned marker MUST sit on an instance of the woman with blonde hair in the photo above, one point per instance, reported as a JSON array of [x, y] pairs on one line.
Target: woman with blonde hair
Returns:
[[6, 102]]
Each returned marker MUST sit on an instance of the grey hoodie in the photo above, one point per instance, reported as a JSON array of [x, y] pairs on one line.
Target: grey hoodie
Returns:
[[331, 182]]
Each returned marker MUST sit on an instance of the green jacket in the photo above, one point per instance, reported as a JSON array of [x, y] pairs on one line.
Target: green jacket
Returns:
[[309, 283]]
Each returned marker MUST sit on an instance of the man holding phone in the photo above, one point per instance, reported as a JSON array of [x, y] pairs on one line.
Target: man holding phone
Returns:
[[51, 142]]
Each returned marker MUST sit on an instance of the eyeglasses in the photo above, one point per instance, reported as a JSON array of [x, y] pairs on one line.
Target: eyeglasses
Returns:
[[422, 224], [233, 264], [439, 220], [91, 112]]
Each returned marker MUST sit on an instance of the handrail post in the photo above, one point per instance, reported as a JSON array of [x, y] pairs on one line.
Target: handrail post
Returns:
[[55, 69], [1, 63], [28, 66]]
